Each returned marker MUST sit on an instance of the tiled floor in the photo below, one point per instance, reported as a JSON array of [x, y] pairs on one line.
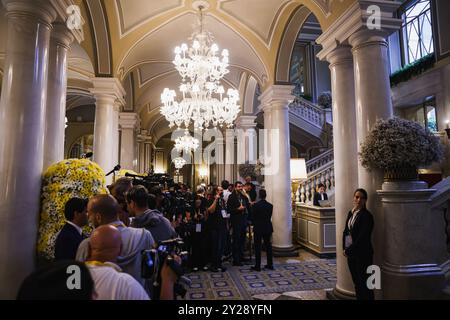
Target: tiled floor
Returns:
[[300, 278]]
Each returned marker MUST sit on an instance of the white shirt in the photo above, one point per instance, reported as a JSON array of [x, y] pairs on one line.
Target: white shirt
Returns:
[[112, 284], [226, 194], [80, 231], [351, 222]]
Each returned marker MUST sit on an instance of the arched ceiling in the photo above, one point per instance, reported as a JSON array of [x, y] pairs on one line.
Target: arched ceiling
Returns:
[[133, 40]]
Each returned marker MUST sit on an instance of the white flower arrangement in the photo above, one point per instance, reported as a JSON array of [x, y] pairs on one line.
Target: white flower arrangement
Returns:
[[398, 143], [64, 180]]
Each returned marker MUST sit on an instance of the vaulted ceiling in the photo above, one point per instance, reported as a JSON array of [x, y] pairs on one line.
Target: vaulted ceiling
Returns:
[[134, 41]]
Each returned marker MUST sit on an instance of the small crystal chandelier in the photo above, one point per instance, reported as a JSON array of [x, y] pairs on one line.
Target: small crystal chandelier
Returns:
[[186, 143], [179, 163], [201, 70]]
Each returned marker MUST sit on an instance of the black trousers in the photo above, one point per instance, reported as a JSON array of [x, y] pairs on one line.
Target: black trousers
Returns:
[[267, 244], [217, 237], [358, 269], [199, 249], [238, 238]]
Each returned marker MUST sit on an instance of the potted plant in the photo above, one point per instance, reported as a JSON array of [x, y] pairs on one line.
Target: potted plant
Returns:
[[400, 147], [325, 100]]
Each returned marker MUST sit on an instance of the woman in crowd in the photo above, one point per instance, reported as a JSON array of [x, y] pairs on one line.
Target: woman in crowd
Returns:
[[357, 244], [217, 227], [198, 236]]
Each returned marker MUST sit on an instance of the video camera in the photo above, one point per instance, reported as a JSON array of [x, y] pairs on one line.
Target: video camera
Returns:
[[153, 260], [153, 180]]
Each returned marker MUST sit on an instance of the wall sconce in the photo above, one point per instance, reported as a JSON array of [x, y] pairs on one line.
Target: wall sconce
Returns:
[[447, 129]]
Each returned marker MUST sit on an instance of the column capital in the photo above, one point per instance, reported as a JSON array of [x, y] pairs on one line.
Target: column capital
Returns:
[[108, 88], [129, 120], [276, 94], [358, 17], [245, 122], [42, 10], [61, 35], [341, 54], [144, 136]]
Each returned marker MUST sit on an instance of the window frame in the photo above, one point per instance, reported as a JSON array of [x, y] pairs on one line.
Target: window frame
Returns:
[[401, 10]]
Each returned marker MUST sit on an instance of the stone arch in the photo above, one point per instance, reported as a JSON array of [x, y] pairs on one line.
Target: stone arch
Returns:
[[283, 61]]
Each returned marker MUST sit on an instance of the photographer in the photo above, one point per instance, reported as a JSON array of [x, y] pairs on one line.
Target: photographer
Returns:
[[118, 190], [109, 281], [215, 220], [138, 202]]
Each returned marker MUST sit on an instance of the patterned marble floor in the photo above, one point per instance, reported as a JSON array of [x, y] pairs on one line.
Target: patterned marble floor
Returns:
[[305, 277]]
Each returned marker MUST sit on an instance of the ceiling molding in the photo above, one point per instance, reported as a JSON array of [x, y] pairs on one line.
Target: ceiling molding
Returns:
[[101, 38], [123, 32], [266, 39]]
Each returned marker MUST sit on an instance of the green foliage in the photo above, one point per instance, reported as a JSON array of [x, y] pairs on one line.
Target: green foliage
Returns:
[[414, 69]]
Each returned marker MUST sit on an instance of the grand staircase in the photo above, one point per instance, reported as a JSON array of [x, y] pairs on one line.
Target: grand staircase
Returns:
[[317, 122]]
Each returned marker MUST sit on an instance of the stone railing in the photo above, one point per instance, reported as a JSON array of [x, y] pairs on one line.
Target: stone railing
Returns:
[[307, 188], [308, 111], [320, 161]]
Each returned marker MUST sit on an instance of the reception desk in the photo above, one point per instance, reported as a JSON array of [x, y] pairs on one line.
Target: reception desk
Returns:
[[315, 228]]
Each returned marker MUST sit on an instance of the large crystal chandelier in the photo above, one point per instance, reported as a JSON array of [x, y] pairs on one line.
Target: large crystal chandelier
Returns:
[[186, 143], [203, 98]]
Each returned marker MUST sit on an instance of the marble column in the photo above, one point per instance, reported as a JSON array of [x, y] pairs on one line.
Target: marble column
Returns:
[[106, 92], [265, 146], [229, 155], [145, 151], [220, 159], [129, 123], [55, 123], [277, 98], [116, 132], [246, 126], [345, 155], [373, 102], [22, 127]]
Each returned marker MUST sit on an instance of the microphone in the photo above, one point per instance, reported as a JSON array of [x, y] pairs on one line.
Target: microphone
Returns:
[[89, 155], [130, 175], [116, 168]]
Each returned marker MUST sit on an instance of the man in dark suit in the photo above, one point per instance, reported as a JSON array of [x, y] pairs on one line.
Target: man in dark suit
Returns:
[[321, 195], [238, 207], [71, 234], [261, 217]]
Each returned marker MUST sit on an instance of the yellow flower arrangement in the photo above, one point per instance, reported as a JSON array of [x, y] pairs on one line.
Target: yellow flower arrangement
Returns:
[[66, 179]]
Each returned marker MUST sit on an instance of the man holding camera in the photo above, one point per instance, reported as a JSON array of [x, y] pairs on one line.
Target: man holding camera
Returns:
[[138, 203], [103, 210]]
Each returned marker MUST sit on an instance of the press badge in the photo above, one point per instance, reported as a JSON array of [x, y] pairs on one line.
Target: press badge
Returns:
[[224, 214], [348, 241], [198, 227]]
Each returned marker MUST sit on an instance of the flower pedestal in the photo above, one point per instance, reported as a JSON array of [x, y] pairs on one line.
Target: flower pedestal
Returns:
[[413, 237]]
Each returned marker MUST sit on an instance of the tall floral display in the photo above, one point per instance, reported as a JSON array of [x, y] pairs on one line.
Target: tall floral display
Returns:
[[80, 178]]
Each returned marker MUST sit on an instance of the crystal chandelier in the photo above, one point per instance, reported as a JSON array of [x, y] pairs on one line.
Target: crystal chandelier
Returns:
[[204, 102], [179, 163], [186, 143]]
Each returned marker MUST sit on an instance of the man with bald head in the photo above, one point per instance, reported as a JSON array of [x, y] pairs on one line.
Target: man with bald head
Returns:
[[109, 281], [104, 210]]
